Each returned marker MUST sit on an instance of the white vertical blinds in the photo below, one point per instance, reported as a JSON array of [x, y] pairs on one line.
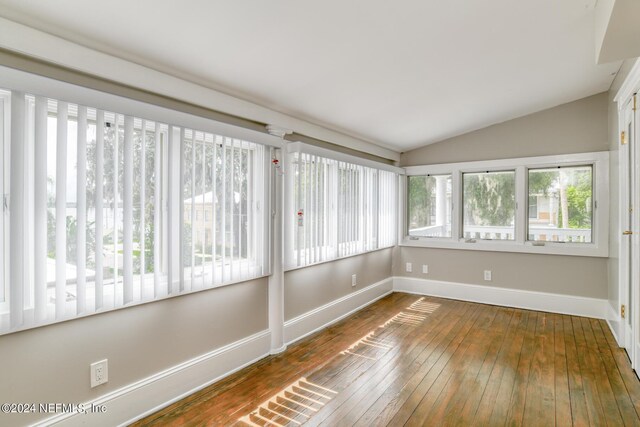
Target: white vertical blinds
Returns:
[[337, 208], [105, 212], [223, 209]]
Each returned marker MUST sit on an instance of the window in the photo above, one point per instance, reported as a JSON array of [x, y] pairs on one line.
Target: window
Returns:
[[546, 205], [337, 208], [429, 205], [95, 206], [489, 210], [564, 199]]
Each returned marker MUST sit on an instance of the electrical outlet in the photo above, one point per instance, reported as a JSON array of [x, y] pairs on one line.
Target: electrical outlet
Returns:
[[99, 372], [409, 267], [487, 275], [425, 269], [353, 280]]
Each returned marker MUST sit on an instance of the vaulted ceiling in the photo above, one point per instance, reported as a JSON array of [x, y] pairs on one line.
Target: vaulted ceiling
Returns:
[[399, 74]]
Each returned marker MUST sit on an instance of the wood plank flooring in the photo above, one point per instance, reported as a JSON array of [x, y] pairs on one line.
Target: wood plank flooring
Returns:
[[411, 360]]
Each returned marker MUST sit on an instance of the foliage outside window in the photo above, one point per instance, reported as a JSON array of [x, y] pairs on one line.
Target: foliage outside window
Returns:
[[429, 205], [564, 199], [489, 205]]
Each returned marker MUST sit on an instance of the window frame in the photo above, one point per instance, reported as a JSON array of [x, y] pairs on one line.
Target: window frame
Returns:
[[407, 213], [593, 201], [515, 213], [599, 247]]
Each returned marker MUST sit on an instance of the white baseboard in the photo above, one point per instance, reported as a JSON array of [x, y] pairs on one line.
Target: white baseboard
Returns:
[[531, 300], [615, 324], [321, 317], [142, 398]]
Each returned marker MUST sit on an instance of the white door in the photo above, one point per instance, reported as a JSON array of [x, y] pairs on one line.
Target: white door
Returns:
[[630, 213]]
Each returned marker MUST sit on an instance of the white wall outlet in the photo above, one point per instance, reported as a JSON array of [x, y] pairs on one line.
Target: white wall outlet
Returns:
[[487, 275], [409, 267], [99, 372], [354, 280], [425, 269]]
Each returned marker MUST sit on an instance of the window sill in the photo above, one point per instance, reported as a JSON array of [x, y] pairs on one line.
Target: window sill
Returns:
[[292, 268], [550, 248]]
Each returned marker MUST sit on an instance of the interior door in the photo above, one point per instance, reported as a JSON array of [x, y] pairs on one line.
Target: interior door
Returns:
[[629, 224]]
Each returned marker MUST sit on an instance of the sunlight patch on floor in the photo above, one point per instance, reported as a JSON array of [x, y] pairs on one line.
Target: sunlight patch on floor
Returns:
[[405, 319], [423, 306], [367, 341], [294, 404]]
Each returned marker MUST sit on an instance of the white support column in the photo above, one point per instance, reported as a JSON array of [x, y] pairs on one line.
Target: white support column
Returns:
[[276, 280]]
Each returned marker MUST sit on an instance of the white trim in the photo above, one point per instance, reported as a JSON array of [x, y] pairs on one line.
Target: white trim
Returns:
[[600, 227], [341, 157], [142, 398], [319, 318], [629, 87], [51, 88], [38, 44], [615, 323], [501, 164], [299, 267], [530, 300]]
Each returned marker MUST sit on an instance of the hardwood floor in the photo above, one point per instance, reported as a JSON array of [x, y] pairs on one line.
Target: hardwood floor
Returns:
[[410, 360]]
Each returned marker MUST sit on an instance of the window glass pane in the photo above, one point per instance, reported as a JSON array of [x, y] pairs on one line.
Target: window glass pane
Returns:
[[429, 202], [563, 204], [489, 205]]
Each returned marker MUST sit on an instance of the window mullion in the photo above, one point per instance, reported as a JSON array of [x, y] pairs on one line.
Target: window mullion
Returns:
[[522, 205], [456, 205]]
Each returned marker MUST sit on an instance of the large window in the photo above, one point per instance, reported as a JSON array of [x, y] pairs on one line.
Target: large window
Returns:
[[543, 204], [563, 204], [95, 210], [429, 205], [489, 210], [336, 208]]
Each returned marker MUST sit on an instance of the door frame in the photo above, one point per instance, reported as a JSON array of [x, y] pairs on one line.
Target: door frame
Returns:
[[628, 269], [628, 336]]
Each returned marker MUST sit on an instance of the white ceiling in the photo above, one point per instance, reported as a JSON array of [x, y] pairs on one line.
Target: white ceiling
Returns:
[[401, 74]]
